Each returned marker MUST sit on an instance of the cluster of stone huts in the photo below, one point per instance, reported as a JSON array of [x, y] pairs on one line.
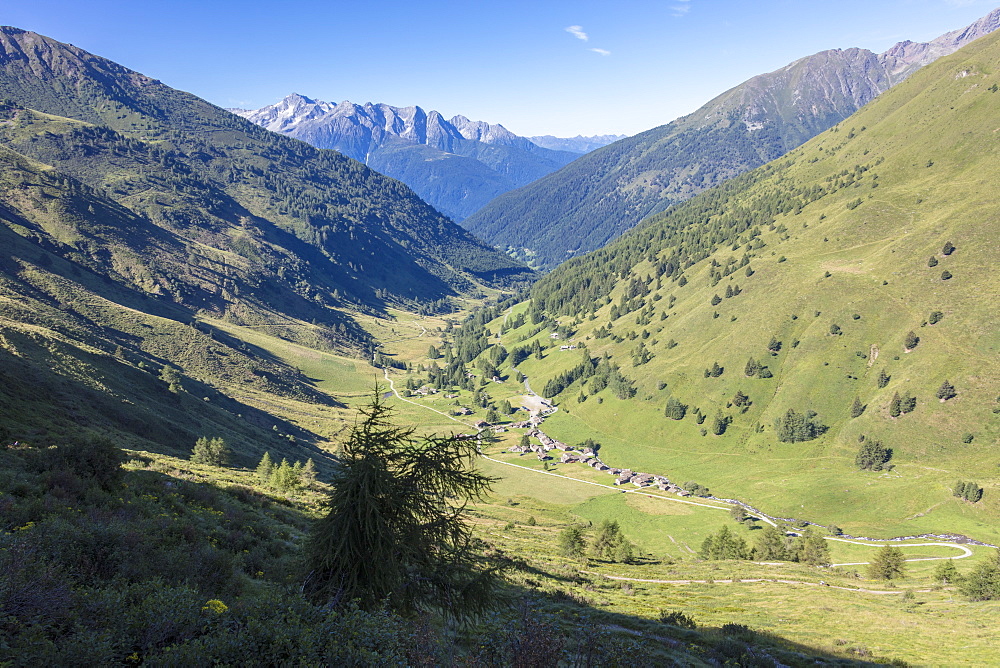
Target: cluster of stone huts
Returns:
[[587, 456]]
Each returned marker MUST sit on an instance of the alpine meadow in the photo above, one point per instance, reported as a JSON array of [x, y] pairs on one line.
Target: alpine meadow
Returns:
[[727, 393]]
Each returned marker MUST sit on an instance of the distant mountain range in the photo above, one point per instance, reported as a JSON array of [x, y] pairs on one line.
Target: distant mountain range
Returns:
[[457, 165], [577, 144], [594, 199]]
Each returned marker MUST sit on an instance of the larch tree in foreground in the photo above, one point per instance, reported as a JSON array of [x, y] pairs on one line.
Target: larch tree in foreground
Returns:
[[395, 532]]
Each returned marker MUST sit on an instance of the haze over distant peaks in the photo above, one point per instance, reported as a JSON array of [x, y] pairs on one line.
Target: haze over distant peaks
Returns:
[[456, 164], [577, 144]]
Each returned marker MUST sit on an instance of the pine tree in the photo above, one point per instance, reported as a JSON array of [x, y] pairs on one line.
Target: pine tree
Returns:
[[610, 543], [525, 441], [572, 542], [872, 456], [172, 377], [716, 300], [751, 368], [883, 378], [265, 468], [812, 549], [948, 249], [932, 261], [395, 532], [983, 583], [771, 545], [972, 492], [724, 545], [911, 341], [774, 346], [946, 573], [675, 409], [946, 391], [308, 472], [857, 408], [210, 451], [719, 424], [284, 478], [894, 405], [887, 564]]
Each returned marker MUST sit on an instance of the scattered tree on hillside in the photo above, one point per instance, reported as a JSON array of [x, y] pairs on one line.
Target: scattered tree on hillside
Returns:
[[724, 545], [572, 542], [740, 399], [433, 353], [894, 409], [395, 532], [172, 377], [751, 368], [907, 403], [935, 317], [795, 427], [696, 488], [675, 409], [265, 468], [969, 491], [835, 329], [946, 573], [946, 391], [887, 564], [716, 300], [719, 423], [812, 549], [883, 378], [772, 545], [945, 275], [774, 346], [210, 451], [715, 371], [948, 249], [983, 583], [872, 456], [857, 408], [911, 340], [932, 261], [610, 543]]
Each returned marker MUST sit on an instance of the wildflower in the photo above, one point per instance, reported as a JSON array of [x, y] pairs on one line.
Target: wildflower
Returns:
[[214, 606]]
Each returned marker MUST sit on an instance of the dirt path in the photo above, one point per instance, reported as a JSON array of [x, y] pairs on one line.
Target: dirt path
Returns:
[[966, 552], [753, 581]]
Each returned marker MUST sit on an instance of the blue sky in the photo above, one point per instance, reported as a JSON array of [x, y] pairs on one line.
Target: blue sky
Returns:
[[539, 67]]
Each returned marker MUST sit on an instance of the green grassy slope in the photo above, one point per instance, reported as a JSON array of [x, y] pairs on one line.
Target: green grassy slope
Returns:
[[838, 232], [134, 217]]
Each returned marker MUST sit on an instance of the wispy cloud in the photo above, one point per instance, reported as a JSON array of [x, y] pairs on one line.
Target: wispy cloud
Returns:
[[577, 31], [681, 9], [603, 52]]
